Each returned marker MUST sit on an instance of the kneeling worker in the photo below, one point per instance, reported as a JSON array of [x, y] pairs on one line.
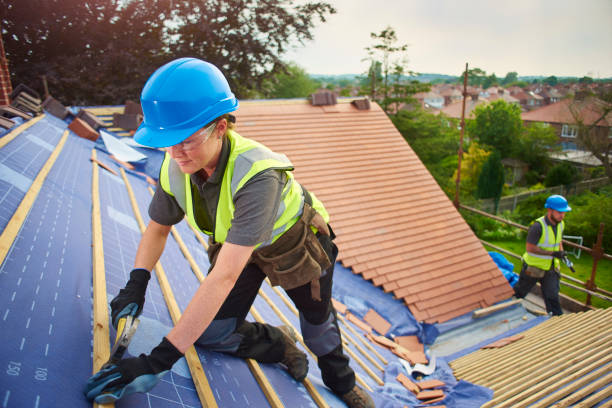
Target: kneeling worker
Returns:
[[260, 222]]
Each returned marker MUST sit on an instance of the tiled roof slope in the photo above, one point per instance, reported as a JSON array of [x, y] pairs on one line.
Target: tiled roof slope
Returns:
[[395, 226], [568, 110]]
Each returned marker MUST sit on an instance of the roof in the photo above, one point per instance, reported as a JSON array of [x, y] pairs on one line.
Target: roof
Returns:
[[63, 216], [454, 109], [395, 226], [556, 363], [567, 111]]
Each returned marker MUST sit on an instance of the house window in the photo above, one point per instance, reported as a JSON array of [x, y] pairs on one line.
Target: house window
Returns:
[[569, 131]]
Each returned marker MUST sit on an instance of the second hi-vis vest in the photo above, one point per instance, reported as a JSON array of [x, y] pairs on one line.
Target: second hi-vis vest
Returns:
[[247, 158], [549, 242]]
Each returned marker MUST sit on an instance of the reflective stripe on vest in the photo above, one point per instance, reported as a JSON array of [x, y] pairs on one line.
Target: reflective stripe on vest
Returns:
[[247, 158], [549, 242]]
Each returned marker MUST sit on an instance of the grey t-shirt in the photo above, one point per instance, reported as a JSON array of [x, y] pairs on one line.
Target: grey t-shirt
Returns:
[[256, 203]]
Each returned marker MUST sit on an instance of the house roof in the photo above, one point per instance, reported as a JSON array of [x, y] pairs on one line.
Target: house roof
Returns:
[[568, 110], [395, 226], [556, 363], [454, 109]]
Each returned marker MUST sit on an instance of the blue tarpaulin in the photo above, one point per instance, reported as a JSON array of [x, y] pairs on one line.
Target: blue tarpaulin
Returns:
[[505, 267]]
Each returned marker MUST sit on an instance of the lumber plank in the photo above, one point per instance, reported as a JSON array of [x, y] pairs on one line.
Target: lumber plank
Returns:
[[101, 330], [6, 139], [14, 225]]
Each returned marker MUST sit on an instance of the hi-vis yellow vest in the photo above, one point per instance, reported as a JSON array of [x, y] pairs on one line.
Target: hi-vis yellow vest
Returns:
[[549, 242], [247, 158]]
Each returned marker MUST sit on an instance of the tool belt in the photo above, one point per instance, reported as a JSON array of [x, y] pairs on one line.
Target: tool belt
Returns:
[[533, 271], [296, 257]]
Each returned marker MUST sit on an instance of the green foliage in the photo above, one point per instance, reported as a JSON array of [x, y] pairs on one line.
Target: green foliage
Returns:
[[534, 144], [551, 80], [510, 78], [102, 52], [596, 172], [530, 209], [491, 178], [433, 138], [586, 215], [561, 174], [294, 82], [498, 125], [386, 74], [488, 229], [471, 166]]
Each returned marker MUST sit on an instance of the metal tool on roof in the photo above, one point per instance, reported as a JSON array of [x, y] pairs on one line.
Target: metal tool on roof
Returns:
[[420, 369], [569, 263], [126, 328]]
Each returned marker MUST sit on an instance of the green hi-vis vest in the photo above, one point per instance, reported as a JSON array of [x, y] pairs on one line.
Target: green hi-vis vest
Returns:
[[247, 158], [549, 242]]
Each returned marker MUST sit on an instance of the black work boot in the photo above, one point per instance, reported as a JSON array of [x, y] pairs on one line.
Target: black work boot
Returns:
[[357, 398], [294, 358]]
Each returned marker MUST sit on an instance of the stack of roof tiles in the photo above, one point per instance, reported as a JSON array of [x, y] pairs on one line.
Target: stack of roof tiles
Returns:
[[395, 226]]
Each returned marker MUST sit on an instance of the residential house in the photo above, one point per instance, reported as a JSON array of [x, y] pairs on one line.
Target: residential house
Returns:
[[454, 110], [430, 100], [567, 115]]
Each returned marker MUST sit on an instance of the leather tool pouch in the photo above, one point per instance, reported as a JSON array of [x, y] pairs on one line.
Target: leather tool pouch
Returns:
[[534, 272], [296, 258]]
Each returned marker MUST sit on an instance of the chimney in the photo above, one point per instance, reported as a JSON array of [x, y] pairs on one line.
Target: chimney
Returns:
[[5, 77], [323, 98]]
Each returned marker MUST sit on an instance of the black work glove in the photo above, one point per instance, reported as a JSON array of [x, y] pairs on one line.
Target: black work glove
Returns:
[[138, 374], [130, 299], [558, 254]]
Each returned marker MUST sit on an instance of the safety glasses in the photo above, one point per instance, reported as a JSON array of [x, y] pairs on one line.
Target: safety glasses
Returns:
[[194, 141]]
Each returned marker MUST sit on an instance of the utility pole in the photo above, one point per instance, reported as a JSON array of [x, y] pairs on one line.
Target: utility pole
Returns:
[[460, 153]]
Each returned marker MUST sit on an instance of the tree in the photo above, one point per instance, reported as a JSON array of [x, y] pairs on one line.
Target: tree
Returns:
[[91, 52], [244, 38], [471, 166], [551, 80], [534, 144], [491, 179], [593, 117], [103, 51], [562, 174], [490, 81], [294, 82], [498, 125], [434, 139], [510, 78], [393, 61], [476, 76]]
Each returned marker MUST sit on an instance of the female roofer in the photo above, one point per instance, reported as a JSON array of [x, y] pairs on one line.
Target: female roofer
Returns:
[[260, 223]]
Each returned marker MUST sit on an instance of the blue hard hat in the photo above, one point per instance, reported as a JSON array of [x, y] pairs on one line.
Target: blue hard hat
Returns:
[[180, 98], [558, 203]]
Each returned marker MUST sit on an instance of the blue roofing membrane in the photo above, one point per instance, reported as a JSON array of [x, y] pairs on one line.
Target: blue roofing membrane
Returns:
[[46, 303]]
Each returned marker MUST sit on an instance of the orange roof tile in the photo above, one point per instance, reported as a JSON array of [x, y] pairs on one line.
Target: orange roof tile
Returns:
[[395, 225]]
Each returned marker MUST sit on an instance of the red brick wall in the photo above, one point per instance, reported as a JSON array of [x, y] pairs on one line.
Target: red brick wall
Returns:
[[5, 78]]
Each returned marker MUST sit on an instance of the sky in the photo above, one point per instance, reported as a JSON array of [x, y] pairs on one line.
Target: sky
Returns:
[[531, 37]]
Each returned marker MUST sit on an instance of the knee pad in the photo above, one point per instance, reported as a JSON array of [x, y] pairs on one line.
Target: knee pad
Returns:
[[221, 336], [321, 338]]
